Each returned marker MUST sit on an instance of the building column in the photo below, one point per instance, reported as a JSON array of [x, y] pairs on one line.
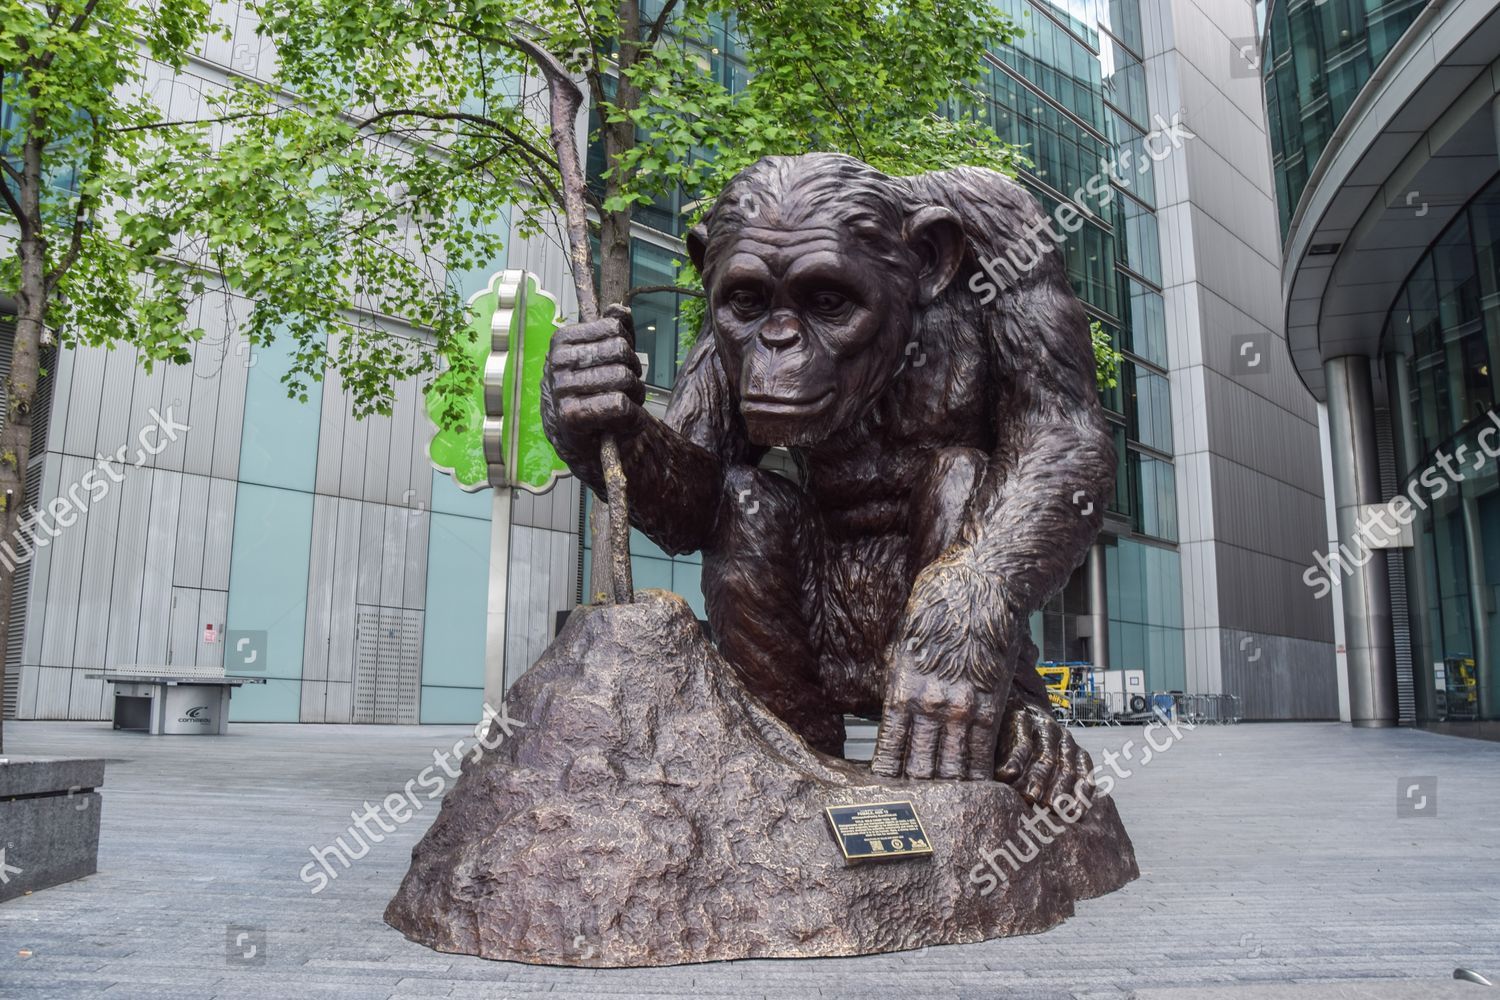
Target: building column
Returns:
[[1370, 645], [1098, 605]]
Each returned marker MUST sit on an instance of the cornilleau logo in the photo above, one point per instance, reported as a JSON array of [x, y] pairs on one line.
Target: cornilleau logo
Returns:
[[196, 715]]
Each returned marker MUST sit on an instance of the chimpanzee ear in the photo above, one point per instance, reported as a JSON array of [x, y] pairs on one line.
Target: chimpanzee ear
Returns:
[[697, 245], [936, 236]]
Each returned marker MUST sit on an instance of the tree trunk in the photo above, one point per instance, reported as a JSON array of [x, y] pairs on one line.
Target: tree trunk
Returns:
[[614, 245], [20, 392]]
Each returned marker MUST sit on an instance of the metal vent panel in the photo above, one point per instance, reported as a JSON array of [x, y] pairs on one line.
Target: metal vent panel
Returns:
[[387, 664]]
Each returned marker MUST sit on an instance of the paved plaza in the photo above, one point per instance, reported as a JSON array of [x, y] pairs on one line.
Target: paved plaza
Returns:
[[1270, 855]]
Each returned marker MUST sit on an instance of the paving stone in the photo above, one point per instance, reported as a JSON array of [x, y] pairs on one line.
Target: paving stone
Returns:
[[1271, 855], [1410, 989]]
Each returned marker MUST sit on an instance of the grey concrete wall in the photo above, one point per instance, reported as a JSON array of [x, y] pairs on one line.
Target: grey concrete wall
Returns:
[[1250, 497]]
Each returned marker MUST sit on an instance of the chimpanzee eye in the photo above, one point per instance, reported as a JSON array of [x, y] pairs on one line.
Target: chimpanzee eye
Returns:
[[745, 302], [829, 303]]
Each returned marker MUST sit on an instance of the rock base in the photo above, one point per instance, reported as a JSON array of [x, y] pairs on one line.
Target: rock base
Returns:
[[647, 810]]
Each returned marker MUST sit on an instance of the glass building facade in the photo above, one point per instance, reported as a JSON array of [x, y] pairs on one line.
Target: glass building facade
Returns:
[[1407, 366], [1444, 329], [1316, 57]]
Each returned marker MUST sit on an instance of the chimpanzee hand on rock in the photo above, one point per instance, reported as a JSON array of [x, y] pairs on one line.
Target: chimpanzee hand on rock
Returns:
[[934, 727], [1039, 757], [591, 385]]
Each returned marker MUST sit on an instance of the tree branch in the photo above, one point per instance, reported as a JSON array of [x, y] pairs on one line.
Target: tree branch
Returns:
[[696, 293], [11, 203], [660, 24], [523, 144], [80, 212], [78, 22]]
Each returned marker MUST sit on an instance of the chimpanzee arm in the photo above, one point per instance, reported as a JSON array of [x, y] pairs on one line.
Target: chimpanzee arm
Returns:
[[674, 467], [1031, 518]]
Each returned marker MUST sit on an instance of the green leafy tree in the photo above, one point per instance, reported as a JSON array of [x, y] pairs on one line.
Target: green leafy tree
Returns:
[[81, 264], [1106, 358], [395, 144], [671, 112]]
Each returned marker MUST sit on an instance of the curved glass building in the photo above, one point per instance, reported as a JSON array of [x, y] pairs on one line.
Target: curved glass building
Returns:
[[1382, 117]]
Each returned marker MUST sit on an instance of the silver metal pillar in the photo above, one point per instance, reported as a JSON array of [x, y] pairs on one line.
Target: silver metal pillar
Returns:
[[1368, 638], [496, 684], [1098, 605]]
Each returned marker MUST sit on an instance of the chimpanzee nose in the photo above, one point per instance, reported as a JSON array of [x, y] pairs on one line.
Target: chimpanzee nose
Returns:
[[781, 329]]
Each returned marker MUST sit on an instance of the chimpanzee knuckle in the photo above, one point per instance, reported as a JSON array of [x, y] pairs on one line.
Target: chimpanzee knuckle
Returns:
[[571, 383], [619, 406], [985, 713], [576, 333], [592, 414], [933, 702], [616, 351], [575, 415], [596, 381]]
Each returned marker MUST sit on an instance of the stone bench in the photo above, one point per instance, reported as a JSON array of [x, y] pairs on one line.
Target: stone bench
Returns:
[[49, 822]]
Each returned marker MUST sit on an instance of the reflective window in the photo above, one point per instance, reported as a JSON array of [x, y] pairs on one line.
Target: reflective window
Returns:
[[1141, 246], [1145, 613], [1058, 63], [1446, 321], [655, 313], [1155, 489], [1064, 155], [1125, 22], [1133, 167], [1150, 407], [1145, 330], [1124, 80], [1316, 57]]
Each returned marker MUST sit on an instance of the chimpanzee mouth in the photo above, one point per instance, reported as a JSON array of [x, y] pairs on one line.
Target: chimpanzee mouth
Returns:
[[778, 406]]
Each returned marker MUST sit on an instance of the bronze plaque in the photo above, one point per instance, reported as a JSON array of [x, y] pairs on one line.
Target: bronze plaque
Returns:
[[869, 831]]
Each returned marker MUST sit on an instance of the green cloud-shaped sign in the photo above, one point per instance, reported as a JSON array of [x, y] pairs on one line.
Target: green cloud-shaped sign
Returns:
[[511, 326]]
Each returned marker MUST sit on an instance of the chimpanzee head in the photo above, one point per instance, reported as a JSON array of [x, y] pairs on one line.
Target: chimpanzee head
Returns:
[[816, 269]]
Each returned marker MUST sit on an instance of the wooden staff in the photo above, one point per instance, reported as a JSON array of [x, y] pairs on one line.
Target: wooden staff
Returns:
[[566, 101]]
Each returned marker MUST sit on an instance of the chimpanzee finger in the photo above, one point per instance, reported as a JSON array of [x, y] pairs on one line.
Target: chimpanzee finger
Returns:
[[1040, 775], [615, 350], [982, 739], [1062, 774], [1018, 740], [953, 756], [584, 333], [1083, 773], [626, 319], [921, 752], [592, 381], [890, 743], [610, 411]]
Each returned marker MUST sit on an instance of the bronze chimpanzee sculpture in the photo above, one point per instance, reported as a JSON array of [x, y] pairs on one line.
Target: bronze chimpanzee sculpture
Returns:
[[953, 455]]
